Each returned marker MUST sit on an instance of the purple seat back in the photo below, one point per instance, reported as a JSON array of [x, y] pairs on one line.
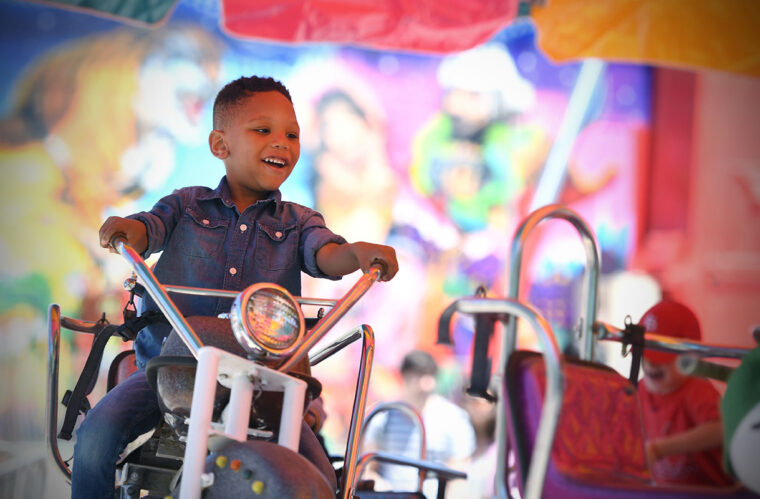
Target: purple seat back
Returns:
[[598, 448]]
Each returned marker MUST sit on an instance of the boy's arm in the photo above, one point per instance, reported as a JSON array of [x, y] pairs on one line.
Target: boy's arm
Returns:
[[133, 231], [705, 436], [342, 259]]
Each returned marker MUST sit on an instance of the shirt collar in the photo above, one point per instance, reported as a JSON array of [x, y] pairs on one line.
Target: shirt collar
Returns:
[[222, 192]]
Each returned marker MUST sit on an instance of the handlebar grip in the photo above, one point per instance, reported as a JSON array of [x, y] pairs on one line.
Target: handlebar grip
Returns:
[[380, 265], [117, 238]]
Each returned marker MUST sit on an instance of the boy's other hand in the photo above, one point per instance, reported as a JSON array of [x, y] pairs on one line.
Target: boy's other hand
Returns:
[[132, 230], [368, 254]]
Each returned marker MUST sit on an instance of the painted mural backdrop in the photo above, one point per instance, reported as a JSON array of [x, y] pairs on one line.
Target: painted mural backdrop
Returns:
[[440, 157]]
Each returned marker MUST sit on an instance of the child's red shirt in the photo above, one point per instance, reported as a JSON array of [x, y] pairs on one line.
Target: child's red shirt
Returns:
[[695, 402]]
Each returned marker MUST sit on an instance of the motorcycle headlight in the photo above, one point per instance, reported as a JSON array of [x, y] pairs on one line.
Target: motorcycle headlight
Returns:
[[267, 321]]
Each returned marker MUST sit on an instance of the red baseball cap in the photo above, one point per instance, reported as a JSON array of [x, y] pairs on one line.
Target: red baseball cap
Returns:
[[669, 318]]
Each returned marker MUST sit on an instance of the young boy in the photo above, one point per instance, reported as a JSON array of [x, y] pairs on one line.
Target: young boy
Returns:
[[681, 413], [240, 233]]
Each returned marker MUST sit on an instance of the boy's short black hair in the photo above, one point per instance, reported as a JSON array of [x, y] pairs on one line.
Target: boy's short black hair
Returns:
[[239, 89], [420, 363]]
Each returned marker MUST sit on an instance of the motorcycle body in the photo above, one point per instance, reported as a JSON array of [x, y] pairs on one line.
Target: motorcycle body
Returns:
[[233, 391]]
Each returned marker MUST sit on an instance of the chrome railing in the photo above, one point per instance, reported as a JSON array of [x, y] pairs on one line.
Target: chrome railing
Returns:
[[506, 310]]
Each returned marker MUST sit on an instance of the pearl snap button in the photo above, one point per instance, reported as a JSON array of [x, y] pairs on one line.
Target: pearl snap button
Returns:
[[233, 271], [243, 227], [278, 234], [205, 222]]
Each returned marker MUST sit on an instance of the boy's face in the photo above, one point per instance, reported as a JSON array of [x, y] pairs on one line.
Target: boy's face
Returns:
[[661, 378], [259, 144]]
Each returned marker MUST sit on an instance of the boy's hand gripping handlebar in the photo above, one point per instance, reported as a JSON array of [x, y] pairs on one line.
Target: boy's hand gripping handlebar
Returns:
[[157, 291], [190, 338], [335, 314]]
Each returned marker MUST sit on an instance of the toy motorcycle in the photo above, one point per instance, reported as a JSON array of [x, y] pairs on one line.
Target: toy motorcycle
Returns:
[[233, 392]]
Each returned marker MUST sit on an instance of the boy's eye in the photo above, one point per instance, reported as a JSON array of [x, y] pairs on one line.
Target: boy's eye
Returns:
[[261, 130], [292, 135]]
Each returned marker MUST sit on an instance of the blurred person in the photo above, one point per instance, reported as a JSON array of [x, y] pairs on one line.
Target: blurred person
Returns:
[[449, 434], [351, 166], [681, 414], [481, 468]]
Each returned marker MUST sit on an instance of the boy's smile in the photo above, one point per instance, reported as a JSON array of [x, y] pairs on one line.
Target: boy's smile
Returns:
[[661, 378], [259, 145]]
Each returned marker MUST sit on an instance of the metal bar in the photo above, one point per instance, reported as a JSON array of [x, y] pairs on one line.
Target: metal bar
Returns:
[[241, 397], [553, 174], [553, 399], [672, 345], [320, 302], [81, 326], [347, 486], [336, 346], [51, 415], [442, 472], [414, 415], [225, 293], [333, 316], [190, 290], [591, 279], [200, 422], [156, 290]]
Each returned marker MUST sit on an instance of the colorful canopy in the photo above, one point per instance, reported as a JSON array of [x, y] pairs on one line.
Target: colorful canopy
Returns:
[[691, 34]]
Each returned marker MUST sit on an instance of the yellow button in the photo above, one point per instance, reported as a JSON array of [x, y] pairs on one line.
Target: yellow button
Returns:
[[278, 234], [233, 271], [205, 222], [257, 487], [243, 227]]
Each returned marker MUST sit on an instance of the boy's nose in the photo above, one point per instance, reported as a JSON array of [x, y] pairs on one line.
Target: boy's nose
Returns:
[[279, 144]]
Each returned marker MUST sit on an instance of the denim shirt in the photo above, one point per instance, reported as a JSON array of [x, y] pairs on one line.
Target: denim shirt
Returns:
[[206, 242]]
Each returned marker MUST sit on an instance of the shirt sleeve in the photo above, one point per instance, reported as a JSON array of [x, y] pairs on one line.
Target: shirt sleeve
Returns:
[[160, 221], [314, 235]]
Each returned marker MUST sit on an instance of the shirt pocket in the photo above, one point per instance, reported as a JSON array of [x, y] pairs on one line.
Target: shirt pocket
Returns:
[[276, 246], [200, 236]]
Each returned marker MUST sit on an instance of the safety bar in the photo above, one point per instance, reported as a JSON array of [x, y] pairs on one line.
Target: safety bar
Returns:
[[347, 487], [414, 415], [591, 279], [51, 415], [336, 346], [443, 473], [690, 364], [158, 293], [505, 310], [672, 345], [333, 316]]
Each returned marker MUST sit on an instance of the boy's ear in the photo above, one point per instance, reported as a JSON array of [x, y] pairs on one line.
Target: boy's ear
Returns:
[[217, 144]]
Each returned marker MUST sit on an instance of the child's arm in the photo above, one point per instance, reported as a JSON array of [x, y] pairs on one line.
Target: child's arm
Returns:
[[342, 259], [133, 231], [706, 436]]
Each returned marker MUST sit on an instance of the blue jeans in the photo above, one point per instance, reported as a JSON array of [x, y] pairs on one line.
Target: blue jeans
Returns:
[[126, 412]]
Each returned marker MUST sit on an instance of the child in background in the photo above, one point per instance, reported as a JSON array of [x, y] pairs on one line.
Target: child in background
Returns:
[[230, 237], [681, 414]]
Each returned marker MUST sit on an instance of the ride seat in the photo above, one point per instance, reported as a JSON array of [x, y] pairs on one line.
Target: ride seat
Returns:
[[122, 366], [598, 448]]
